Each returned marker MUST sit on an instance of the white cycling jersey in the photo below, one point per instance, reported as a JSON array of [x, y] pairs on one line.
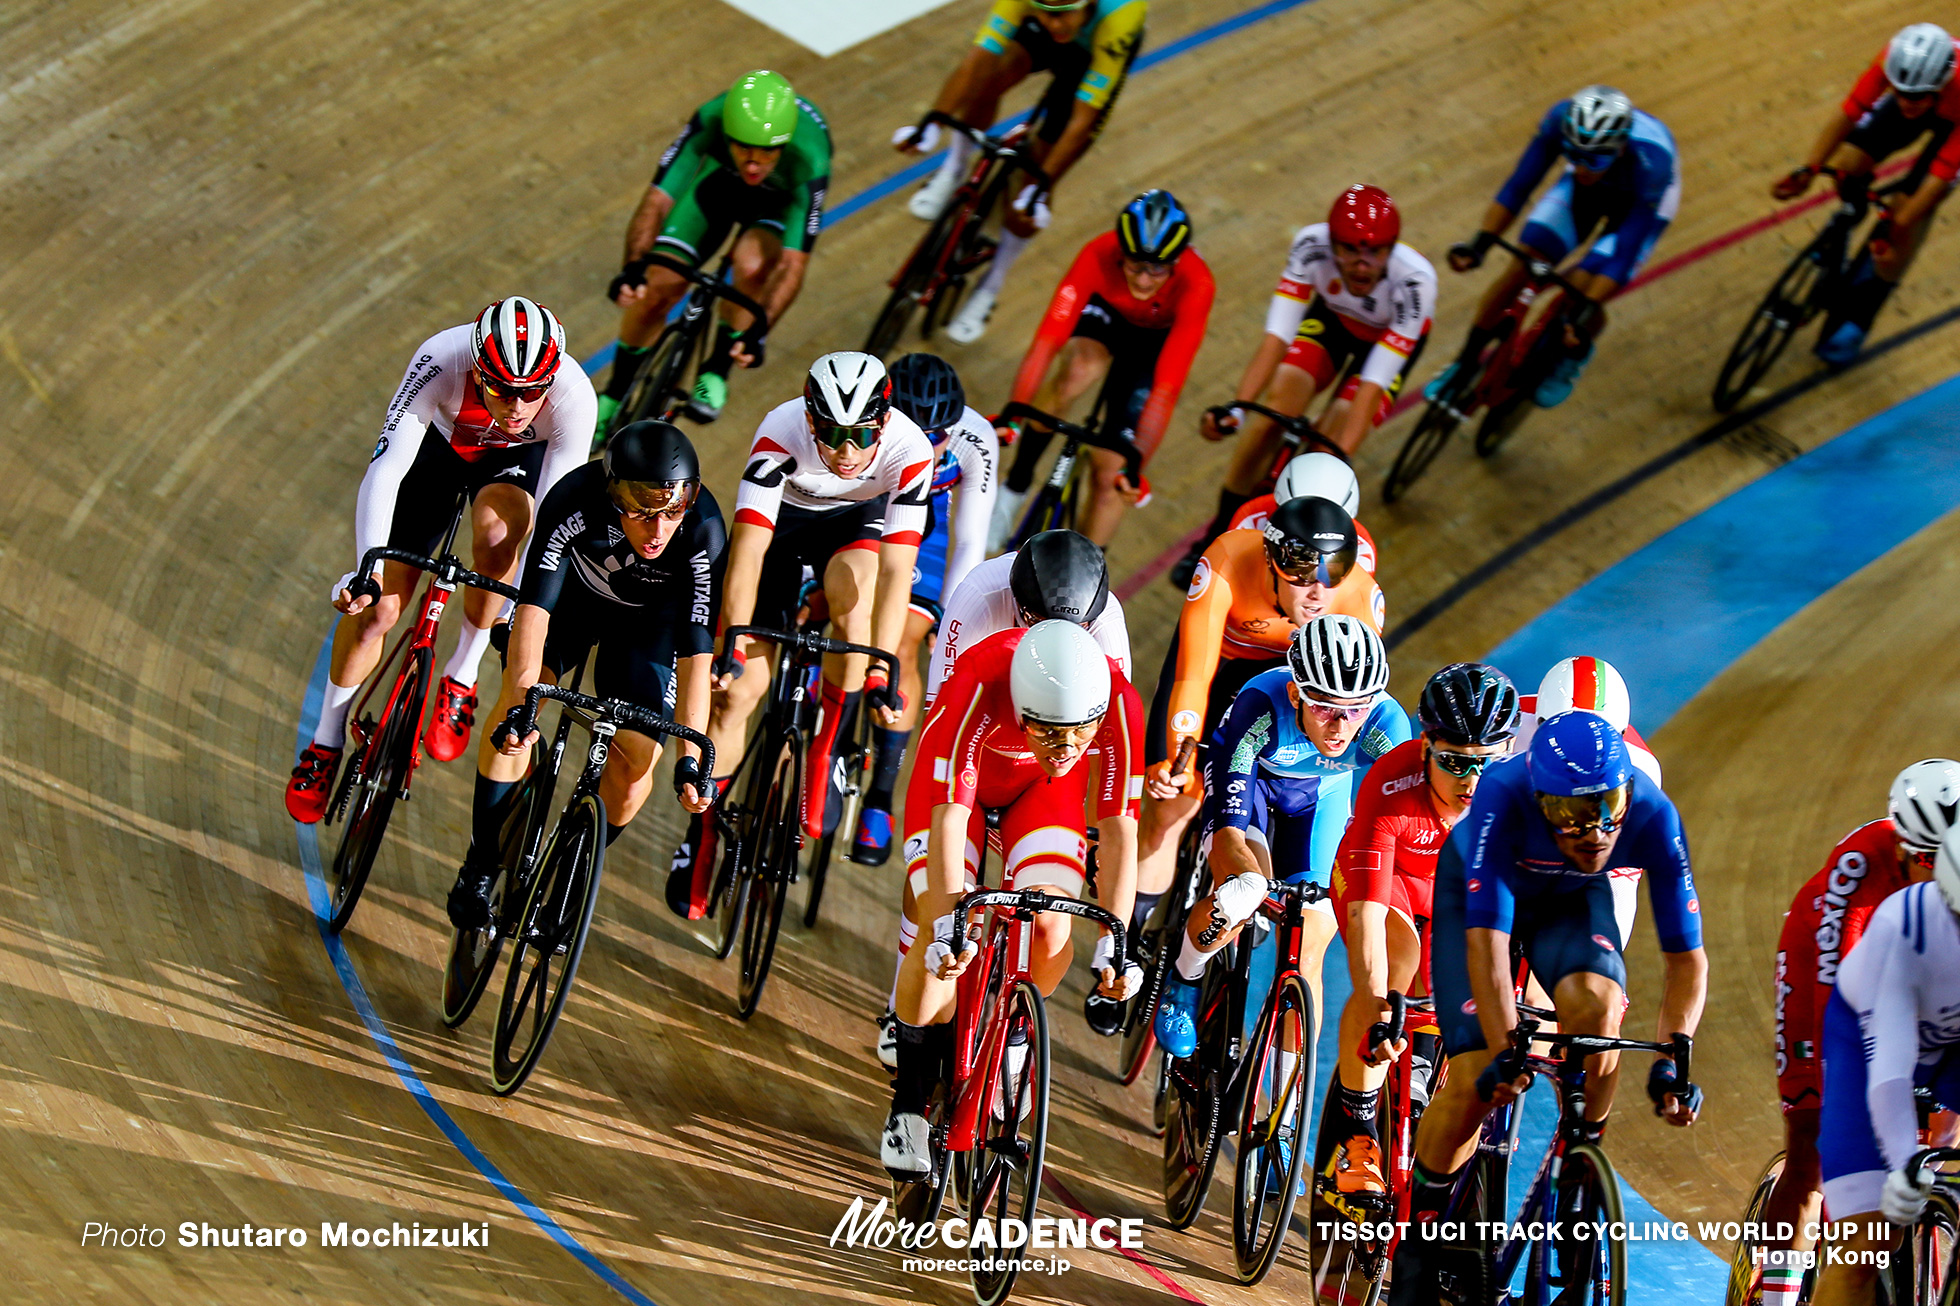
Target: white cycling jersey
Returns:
[[1903, 982], [1394, 316], [439, 392], [975, 452], [984, 605], [785, 469]]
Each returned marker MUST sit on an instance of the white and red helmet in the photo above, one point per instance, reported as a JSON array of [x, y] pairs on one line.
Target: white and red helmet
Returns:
[[517, 342], [1590, 684]]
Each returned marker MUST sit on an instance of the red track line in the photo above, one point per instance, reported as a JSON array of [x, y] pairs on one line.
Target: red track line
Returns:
[[1162, 562], [1164, 1281]]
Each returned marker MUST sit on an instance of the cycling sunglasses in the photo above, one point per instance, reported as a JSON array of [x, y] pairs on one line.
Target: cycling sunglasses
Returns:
[[1337, 711], [1581, 814], [521, 394], [1061, 736], [837, 437], [1593, 160], [1146, 268], [1304, 566], [648, 501], [1461, 765]]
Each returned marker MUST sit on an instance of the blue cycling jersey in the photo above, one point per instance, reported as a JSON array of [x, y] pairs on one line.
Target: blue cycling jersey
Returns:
[[1503, 850], [1636, 195]]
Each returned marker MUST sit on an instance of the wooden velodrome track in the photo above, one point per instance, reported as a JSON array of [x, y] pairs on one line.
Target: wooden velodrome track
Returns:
[[223, 227]]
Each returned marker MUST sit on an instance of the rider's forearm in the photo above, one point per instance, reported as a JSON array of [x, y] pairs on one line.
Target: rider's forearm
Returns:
[[747, 544], [1116, 865], [1081, 130], [693, 696], [895, 563], [1259, 372], [1828, 140], [1683, 991], [1490, 986], [1496, 218], [946, 854], [524, 655], [647, 221], [959, 88]]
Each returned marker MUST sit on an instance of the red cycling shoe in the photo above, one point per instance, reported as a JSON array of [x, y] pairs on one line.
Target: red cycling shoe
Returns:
[[449, 725], [312, 784]]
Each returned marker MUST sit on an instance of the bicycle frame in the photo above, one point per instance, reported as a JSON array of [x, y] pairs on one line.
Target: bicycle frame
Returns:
[[1052, 508]]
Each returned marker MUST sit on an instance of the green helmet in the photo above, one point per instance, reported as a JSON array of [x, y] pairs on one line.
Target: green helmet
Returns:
[[760, 110]]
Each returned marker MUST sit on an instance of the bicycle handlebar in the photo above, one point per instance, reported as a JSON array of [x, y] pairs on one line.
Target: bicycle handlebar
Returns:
[[994, 147], [713, 284], [1074, 434], [1920, 1165], [1391, 1030], [523, 719], [819, 644], [1298, 426], [1033, 902], [365, 583], [1516, 1058]]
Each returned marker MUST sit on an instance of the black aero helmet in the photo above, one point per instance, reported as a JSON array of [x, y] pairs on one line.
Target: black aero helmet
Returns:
[[650, 467], [1060, 576], [927, 389], [1311, 540], [1469, 704]]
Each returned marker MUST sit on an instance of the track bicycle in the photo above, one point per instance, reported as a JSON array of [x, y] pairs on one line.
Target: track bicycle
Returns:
[[1297, 430], [1924, 1269], [1810, 284], [660, 388], [1059, 502], [760, 833], [954, 250], [388, 744], [987, 1118], [1574, 1184], [850, 765], [547, 934], [1501, 383], [1156, 947]]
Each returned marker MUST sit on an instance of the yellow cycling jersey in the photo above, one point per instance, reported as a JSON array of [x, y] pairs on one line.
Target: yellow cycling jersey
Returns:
[[1111, 36]]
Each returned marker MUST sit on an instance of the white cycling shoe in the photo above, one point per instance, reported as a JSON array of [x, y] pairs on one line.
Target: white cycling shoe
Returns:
[[931, 199], [970, 323], [906, 1148]]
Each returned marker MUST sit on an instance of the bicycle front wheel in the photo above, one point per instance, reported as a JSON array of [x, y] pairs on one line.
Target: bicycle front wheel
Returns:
[[1432, 432], [1006, 1183], [1790, 303], [777, 838], [473, 953], [384, 767], [656, 392], [1588, 1271], [1272, 1126], [548, 942]]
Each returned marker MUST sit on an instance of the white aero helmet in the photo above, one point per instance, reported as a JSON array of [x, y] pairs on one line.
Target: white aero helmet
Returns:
[[1321, 476], [1338, 656], [1059, 675], [1919, 60], [1946, 869], [1597, 118], [1589, 684], [847, 389], [1925, 799]]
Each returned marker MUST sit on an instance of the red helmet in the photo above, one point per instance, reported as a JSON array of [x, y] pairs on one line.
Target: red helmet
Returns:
[[1364, 215]]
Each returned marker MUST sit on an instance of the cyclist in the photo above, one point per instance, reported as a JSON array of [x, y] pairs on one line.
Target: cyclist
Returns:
[[1279, 778], [1595, 685], [1526, 869], [1251, 592], [494, 411], [1129, 315], [1316, 475], [967, 460], [1826, 919], [837, 482], [755, 159], [1040, 724], [1089, 46], [1908, 91], [1622, 178], [1353, 302], [627, 556], [1384, 879], [1055, 576], [1890, 1026]]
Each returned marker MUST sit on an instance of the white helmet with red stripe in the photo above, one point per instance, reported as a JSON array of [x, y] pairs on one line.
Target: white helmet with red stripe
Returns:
[[1589, 684], [517, 342]]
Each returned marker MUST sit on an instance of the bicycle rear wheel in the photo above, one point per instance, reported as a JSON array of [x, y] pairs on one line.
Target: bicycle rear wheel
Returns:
[[1006, 1183], [656, 392], [548, 942], [1272, 1127], [1922, 1269], [777, 838], [1789, 305], [1589, 1271], [1432, 432], [1194, 1106], [384, 767]]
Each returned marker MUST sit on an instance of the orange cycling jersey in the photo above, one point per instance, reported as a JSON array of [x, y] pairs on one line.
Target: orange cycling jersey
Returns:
[[1232, 611]]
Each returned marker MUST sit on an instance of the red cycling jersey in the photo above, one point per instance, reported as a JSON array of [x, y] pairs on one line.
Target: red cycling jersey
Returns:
[[1872, 87], [1181, 306], [1388, 854], [1825, 921], [973, 752]]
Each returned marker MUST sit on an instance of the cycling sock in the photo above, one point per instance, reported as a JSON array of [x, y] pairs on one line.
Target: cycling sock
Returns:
[[1229, 503], [1782, 1285], [1429, 1193], [1140, 911], [908, 930], [470, 642], [1358, 1105], [1192, 959], [891, 756], [959, 153], [1027, 456], [722, 356], [613, 832], [1865, 298], [921, 1049], [1423, 1050], [330, 731], [626, 365], [487, 812], [1009, 250]]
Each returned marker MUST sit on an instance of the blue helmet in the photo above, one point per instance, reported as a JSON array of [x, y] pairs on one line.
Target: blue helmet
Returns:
[[1577, 753], [1153, 227]]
